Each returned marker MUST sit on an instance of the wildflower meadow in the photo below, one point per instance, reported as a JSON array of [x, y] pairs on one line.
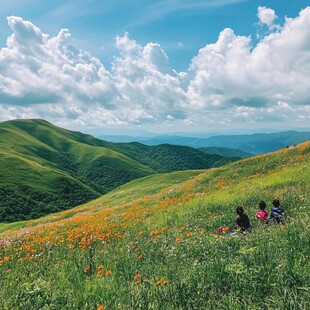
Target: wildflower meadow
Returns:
[[168, 241]]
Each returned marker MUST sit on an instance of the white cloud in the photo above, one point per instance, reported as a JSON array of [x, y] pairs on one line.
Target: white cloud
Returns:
[[266, 16], [146, 83], [231, 73], [230, 83]]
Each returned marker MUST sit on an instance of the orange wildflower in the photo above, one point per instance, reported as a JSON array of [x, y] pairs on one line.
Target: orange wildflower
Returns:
[[108, 272], [190, 234], [100, 267], [86, 269], [154, 232], [140, 256], [136, 276], [99, 273], [165, 282], [136, 249], [101, 307], [164, 229], [182, 228], [158, 282], [156, 239], [178, 239]]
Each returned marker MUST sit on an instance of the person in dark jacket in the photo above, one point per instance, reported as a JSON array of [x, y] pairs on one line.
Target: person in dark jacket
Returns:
[[242, 221], [276, 213]]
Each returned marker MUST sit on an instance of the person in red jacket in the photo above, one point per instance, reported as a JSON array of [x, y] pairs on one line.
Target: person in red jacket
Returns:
[[262, 213]]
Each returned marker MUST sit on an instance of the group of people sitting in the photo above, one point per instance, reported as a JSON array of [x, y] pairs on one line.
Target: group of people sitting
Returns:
[[276, 216]]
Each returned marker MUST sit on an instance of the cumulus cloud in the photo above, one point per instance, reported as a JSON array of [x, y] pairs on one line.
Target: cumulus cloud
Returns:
[[266, 16], [231, 73], [229, 83], [37, 69]]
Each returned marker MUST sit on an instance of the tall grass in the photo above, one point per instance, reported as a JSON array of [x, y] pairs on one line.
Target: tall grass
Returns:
[[161, 251]]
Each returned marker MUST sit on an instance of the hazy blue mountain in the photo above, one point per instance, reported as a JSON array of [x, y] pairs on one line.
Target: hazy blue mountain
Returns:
[[261, 142], [251, 143], [123, 138]]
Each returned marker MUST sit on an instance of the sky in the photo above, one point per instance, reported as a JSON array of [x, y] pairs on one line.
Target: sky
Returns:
[[166, 66]]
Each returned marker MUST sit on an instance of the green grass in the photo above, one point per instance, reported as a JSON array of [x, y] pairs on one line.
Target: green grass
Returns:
[[157, 236], [126, 193], [40, 162]]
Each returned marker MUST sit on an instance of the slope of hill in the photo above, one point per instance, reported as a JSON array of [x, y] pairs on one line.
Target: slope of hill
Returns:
[[141, 247], [44, 168]]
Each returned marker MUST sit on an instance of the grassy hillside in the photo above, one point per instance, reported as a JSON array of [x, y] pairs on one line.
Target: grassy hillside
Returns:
[[154, 244], [29, 189], [44, 168]]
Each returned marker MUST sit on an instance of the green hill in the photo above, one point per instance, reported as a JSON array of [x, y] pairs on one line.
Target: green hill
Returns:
[[155, 243], [168, 158], [44, 168]]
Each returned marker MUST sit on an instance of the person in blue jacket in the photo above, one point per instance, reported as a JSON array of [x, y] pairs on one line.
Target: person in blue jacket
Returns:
[[276, 213]]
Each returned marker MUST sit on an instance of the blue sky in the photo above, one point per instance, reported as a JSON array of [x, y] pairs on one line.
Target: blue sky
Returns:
[[180, 28], [126, 52]]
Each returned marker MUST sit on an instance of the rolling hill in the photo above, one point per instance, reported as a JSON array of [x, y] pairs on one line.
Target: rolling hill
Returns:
[[168, 158], [164, 242], [44, 168]]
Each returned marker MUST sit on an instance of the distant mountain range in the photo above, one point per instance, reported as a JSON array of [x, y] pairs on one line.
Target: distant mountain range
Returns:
[[44, 168], [225, 151], [254, 143]]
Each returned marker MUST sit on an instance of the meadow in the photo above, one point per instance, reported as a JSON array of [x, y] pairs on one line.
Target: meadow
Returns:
[[155, 243]]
